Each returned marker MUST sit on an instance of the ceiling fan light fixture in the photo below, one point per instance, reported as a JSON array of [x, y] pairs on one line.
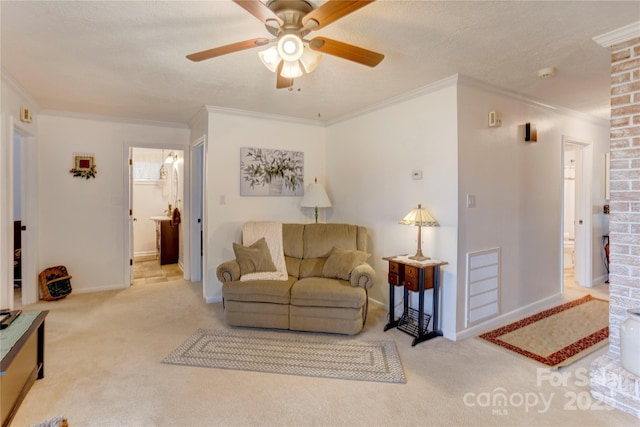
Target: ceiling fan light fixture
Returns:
[[290, 47], [291, 70], [310, 59], [270, 58]]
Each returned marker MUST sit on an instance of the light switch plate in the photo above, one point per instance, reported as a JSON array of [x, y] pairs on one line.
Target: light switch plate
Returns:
[[471, 201]]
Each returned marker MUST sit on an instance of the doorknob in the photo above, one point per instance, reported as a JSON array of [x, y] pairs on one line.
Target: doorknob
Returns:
[[580, 222]]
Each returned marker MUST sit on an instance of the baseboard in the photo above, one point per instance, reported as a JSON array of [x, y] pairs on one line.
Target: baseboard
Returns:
[[212, 300], [507, 318], [116, 287]]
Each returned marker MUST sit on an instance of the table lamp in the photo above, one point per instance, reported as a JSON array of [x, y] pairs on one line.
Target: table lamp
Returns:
[[315, 197], [422, 218]]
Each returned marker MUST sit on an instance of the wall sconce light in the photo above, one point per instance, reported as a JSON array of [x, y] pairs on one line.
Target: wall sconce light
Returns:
[[530, 132], [172, 157]]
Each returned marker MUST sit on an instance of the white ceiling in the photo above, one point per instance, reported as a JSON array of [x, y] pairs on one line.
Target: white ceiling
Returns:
[[127, 59]]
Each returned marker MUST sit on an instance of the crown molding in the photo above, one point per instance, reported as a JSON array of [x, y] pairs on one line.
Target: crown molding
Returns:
[[460, 79], [474, 83], [266, 116], [430, 88], [621, 35], [10, 81], [116, 119]]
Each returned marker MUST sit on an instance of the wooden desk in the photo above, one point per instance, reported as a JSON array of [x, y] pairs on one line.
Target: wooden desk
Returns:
[[23, 363], [415, 276]]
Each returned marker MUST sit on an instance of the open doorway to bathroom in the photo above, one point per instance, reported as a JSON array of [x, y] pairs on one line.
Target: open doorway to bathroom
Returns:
[[569, 217], [577, 158], [157, 206]]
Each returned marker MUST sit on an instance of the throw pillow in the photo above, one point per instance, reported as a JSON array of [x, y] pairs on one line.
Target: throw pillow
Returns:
[[255, 258], [341, 262]]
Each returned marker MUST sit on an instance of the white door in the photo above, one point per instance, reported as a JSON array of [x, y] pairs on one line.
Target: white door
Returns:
[[130, 216], [197, 210], [582, 221]]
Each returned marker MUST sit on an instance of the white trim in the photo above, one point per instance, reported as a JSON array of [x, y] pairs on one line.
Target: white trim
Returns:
[[198, 272], [620, 35], [584, 242], [424, 90], [463, 80], [128, 252], [474, 83], [512, 316], [9, 81], [112, 119], [266, 116]]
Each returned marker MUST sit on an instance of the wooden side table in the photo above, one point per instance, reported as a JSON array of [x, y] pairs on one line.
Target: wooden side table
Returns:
[[22, 361], [415, 276]]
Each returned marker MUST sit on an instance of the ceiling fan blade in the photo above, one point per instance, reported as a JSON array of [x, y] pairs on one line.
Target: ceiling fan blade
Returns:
[[346, 51], [259, 10], [331, 11], [282, 82], [230, 48]]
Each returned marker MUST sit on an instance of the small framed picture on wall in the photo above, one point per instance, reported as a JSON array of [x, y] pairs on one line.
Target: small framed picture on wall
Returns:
[[83, 162]]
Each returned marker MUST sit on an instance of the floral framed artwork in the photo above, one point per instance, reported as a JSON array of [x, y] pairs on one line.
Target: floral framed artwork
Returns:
[[83, 166], [267, 172]]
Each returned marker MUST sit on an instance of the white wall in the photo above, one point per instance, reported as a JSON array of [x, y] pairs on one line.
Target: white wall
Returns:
[[370, 159], [227, 133], [82, 221], [518, 188]]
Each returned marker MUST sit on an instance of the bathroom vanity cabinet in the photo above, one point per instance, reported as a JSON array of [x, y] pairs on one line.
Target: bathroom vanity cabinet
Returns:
[[167, 237]]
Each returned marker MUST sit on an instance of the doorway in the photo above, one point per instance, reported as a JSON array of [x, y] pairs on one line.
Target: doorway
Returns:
[[576, 248], [155, 214], [24, 217], [18, 195]]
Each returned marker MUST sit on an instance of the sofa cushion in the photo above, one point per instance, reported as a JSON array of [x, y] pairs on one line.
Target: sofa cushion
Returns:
[[311, 267], [341, 262], [319, 239], [324, 292], [254, 258], [292, 240], [273, 291]]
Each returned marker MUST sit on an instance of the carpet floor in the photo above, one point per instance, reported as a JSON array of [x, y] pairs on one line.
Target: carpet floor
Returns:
[[558, 336], [103, 368], [292, 354]]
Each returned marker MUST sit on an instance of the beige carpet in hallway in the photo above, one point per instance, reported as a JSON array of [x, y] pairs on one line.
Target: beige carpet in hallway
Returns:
[[103, 368]]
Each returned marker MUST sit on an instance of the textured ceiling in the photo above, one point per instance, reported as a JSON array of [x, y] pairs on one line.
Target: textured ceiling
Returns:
[[127, 59]]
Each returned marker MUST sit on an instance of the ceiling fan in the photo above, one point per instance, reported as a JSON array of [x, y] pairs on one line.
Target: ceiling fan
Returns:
[[290, 21]]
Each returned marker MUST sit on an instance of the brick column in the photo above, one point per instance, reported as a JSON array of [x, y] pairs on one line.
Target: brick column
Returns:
[[624, 228], [609, 381]]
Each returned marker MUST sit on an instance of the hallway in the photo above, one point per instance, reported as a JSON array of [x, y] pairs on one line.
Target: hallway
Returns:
[[147, 271]]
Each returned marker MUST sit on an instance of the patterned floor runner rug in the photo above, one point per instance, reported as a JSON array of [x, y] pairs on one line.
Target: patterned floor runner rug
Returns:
[[292, 354], [558, 336]]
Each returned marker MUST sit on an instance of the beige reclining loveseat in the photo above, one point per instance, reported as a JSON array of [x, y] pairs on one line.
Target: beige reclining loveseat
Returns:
[[326, 289]]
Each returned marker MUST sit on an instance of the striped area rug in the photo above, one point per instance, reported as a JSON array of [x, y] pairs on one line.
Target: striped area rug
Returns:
[[291, 353], [558, 336]]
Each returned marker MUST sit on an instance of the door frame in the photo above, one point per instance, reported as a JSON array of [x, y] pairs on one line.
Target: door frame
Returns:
[[128, 214], [583, 246], [29, 210]]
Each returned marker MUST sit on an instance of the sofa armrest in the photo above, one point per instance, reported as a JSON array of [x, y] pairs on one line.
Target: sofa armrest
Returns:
[[228, 271], [362, 276]]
